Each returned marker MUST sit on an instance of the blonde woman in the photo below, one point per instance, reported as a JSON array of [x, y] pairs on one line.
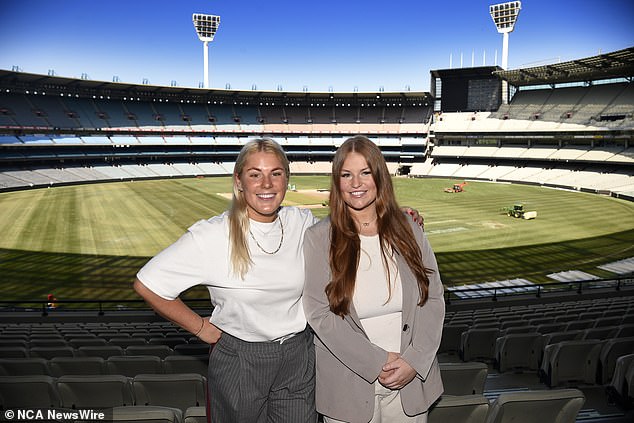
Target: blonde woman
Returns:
[[261, 368], [373, 297]]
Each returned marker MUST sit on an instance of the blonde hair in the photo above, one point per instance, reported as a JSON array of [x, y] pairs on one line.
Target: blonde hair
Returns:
[[238, 214]]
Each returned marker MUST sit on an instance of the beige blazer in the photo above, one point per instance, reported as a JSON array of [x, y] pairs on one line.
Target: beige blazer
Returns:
[[348, 364]]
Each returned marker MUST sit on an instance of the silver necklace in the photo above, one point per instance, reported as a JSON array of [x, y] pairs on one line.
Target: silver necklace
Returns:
[[278, 247]]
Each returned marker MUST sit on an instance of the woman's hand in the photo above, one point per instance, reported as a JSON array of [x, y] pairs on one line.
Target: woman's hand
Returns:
[[416, 217], [209, 333], [396, 373]]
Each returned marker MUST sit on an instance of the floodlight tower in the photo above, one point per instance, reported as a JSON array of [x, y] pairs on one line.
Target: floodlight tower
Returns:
[[206, 27], [504, 16]]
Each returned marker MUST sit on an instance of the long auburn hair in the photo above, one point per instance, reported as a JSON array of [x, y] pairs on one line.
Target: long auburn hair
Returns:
[[395, 233], [238, 214]]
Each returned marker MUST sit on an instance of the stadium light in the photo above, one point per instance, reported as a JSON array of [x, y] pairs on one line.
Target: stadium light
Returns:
[[206, 27], [504, 16]]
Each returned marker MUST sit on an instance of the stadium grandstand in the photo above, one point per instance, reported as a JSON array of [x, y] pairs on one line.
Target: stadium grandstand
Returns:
[[507, 349]]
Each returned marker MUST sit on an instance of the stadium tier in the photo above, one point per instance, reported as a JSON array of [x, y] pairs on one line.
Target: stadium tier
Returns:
[[551, 133]]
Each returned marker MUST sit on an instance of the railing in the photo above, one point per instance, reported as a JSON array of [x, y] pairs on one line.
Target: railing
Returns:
[[479, 294], [539, 290]]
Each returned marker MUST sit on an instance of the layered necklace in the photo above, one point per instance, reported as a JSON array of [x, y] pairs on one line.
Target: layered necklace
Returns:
[[278, 247]]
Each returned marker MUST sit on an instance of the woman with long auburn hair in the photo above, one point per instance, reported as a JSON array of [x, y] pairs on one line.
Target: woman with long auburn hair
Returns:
[[373, 297]]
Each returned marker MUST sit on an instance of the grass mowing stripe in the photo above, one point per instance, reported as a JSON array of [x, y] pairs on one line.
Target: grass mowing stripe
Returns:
[[16, 211]]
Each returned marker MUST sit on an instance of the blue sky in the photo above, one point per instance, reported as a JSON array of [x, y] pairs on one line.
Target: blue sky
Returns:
[[321, 45]]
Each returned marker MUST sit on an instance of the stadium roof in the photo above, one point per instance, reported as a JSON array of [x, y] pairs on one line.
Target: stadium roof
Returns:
[[618, 64], [21, 82]]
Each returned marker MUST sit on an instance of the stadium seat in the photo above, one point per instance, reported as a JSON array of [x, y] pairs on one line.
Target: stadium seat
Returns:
[[192, 349], [172, 390], [43, 334], [629, 383], [554, 337], [196, 415], [107, 335], [450, 341], [571, 361], [23, 366], [625, 330], [95, 391], [617, 388], [161, 351], [600, 333], [125, 342], [552, 406], [145, 335], [518, 329], [518, 351], [147, 414], [463, 409], [13, 352], [170, 341], [565, 319], [80, 335], [478, 344], [48, 342], [611, 351], [547, 328], [510, 323], [60, 366], [50, 352], [628, 319], [13, 335], [28, 391], [14, 342], [87, 342], [579, 324], [463, 378], [132, 365], [608, 321], [541, 321], [185, 364], [103, 351], [591, 315]]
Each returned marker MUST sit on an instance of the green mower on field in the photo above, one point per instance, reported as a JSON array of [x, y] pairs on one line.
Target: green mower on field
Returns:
[[518, 212]]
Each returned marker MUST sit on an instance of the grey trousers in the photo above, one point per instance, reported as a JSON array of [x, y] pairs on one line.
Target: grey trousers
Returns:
[[262, 382]]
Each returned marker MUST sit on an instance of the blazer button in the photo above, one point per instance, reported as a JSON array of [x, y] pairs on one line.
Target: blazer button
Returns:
[[405, 327]]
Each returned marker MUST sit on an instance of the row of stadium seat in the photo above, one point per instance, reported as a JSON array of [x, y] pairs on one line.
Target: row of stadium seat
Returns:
[[79, 113], [185, 392], [586, 308], [181, 391], [552, 406], [104, 351], [127, 365]]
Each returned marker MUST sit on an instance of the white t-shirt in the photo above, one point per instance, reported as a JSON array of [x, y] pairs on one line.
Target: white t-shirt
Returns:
[[381, 319], [267, 304]]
